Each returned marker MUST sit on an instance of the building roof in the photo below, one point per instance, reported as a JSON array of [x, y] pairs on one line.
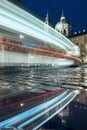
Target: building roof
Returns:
[[78, 33], [61, 22]]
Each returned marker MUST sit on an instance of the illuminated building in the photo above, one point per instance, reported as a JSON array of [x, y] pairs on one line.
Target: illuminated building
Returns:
[[63, 26], [80, 38]]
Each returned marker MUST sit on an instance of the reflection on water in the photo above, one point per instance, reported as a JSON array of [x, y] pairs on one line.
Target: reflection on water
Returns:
[[37, 80], [74, 116]]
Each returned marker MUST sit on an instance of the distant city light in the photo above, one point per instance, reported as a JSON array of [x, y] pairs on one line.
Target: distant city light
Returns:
[[22, 104], [75, 32], [84, 30]]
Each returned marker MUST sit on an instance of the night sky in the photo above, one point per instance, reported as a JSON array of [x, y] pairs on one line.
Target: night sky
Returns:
[[75, 11]]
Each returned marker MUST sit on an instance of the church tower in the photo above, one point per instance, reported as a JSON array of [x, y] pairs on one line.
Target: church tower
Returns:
[[63, 26], [47, 19]]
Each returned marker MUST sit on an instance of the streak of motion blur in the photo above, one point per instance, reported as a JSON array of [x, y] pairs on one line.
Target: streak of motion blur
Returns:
[[32, 89], [24, 40]]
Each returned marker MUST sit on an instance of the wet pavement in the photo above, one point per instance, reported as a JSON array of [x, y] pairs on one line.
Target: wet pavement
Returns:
[[33, 81]]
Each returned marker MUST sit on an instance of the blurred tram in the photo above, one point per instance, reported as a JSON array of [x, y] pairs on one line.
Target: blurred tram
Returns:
[[27, 46], [26, 40], [36, 52]]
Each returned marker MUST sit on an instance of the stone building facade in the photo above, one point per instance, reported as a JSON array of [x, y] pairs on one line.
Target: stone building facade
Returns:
[[80, 39]]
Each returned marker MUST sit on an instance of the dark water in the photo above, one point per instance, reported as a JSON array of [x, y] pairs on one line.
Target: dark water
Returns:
[[34, 79], [74, 116]]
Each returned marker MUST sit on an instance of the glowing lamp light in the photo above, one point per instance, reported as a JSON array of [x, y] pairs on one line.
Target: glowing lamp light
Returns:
[[21, 36], [22, 104]]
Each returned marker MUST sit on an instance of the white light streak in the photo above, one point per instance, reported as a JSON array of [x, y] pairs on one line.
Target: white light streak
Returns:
[[23, 22], [30, 112]]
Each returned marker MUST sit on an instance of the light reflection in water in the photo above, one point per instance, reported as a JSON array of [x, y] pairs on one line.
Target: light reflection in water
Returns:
[[43, 78]]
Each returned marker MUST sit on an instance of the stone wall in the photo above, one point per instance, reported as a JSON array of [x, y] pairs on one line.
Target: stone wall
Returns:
[[81, 41]]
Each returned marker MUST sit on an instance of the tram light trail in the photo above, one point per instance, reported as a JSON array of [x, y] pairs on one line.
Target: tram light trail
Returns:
[[32, 111], [23, 22], [38, 111], [31, 99], [58, 54]]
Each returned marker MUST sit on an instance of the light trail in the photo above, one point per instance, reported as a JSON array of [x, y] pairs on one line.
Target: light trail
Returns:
[[17, 20], [21, 21], [55, 113], [59, 55], [29, 113], [30, 116], [31, 99], [52, 106]]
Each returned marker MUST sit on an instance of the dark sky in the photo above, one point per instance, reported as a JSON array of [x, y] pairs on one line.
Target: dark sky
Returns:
[[75, 11]]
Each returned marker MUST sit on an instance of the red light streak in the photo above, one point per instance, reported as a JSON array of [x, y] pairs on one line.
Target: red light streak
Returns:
[[31, 99], [58, 54]]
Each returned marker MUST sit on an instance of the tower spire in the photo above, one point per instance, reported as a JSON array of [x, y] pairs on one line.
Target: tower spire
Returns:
[[47, 16], [47, 19], [62, 12], [62, 18]]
